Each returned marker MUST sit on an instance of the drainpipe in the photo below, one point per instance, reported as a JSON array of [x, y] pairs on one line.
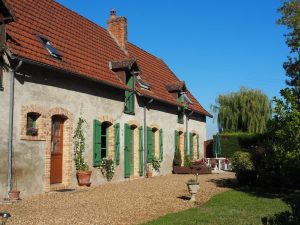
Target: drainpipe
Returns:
[[187, 129], [10, 127], [145, 135]]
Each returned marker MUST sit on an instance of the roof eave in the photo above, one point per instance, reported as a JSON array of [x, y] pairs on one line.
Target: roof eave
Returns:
[[33, 62]]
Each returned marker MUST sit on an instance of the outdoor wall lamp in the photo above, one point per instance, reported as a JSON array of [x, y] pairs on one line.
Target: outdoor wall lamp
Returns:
[[4, 217]]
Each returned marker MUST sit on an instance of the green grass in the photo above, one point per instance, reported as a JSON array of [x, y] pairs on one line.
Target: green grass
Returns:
[[228, 208]]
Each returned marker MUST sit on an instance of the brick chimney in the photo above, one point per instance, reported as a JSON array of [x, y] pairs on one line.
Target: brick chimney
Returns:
[[117, 27]]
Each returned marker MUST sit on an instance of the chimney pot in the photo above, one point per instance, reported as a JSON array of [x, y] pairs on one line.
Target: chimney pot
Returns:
[[113, 14]]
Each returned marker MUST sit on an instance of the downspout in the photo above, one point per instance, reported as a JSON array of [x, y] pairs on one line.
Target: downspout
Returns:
[[145, 134], [10, 126], [187, 129]]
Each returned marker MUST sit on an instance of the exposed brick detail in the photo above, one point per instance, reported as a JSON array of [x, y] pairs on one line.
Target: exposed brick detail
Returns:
[[155, 129], [111, 135], [40, 123], [67, 147], [135, 125], [134, 122]]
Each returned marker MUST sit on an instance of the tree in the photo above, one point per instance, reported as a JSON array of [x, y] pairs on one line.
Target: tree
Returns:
[[247, 110], [291, 19], [279, 163], [284, 128]]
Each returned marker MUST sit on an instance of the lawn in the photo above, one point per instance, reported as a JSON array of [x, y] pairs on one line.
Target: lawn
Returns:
[[232, 207]]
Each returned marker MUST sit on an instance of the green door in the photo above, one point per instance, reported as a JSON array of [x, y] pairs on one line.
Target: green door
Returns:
[[127, 151], [131, 151]]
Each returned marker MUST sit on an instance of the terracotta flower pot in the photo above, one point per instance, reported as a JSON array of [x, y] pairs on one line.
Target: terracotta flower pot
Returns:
[[149, 174], [84, 178], [14, 195]]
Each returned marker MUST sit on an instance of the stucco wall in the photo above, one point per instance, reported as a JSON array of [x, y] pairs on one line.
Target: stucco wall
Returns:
[[50, 89], [4, 112]]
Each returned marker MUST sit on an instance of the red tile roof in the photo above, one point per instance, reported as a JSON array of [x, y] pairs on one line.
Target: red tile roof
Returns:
[[86, 48]]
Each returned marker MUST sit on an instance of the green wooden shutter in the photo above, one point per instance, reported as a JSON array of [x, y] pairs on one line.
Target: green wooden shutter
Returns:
[[161, 145], [126, 150], [117, 143], [97, 143], [141, 155], [149, 144], [176, 141], [129, 96], [191, 146], [185, 144], [198, 150]]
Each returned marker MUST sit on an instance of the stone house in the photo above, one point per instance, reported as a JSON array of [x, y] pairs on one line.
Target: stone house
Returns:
[[57, 66]]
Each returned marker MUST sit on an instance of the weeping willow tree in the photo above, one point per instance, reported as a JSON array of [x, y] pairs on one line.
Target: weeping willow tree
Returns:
[[247, 110]]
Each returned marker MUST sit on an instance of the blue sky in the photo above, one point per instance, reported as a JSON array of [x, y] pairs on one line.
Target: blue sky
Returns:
[[216, 46]]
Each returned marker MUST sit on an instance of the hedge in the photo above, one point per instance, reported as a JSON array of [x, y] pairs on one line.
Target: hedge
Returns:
[[232, 142]]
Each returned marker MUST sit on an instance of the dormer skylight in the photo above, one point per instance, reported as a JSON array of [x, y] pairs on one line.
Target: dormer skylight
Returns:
[[186, 98], [143, 84], [52, 50]]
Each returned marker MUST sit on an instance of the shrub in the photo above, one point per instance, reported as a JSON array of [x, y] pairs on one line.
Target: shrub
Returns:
[[187, 161], [244, 167], [107, 168], [155, 163], [177, 158]]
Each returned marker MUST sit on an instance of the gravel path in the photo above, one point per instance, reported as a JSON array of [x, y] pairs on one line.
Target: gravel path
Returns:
[[128, 202]]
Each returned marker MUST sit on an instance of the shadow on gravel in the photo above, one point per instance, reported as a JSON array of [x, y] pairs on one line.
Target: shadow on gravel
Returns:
[[185, 198]]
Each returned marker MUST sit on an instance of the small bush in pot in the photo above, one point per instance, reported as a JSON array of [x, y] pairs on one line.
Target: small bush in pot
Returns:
[[14, 194], [107, 168], [82, 168], [155, 163], [193, 187]]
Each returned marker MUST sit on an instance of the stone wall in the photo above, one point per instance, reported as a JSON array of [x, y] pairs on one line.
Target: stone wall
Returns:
[[49, 93]]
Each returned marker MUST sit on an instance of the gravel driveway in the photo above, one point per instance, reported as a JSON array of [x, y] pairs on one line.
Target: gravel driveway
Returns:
[[128, 202]]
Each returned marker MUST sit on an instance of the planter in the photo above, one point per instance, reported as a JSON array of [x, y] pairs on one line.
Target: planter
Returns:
[[14, 195], [182, 170], [149, 174], [193, 189], [84, 178]]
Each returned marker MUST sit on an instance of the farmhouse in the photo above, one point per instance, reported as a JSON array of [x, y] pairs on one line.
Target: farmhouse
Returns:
[[57, 66]]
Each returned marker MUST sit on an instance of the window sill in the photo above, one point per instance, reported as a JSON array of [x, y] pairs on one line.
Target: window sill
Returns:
[[32, 138], [129, 113]]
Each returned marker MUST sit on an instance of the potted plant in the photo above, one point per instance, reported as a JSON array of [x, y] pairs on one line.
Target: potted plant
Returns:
[[107, 168], [149, 170], [155, 163], [83, 173], [193, 187], [14, 194]]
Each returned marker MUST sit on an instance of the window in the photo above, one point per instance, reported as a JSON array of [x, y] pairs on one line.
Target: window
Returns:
[[52, 51], [154, 144], [129, 95], [143, 84], [106, 142], [180, 109], [32, 123]]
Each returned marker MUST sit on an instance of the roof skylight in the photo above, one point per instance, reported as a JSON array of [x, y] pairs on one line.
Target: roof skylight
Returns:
[[186, 98], [52, 50], [142, 83]]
